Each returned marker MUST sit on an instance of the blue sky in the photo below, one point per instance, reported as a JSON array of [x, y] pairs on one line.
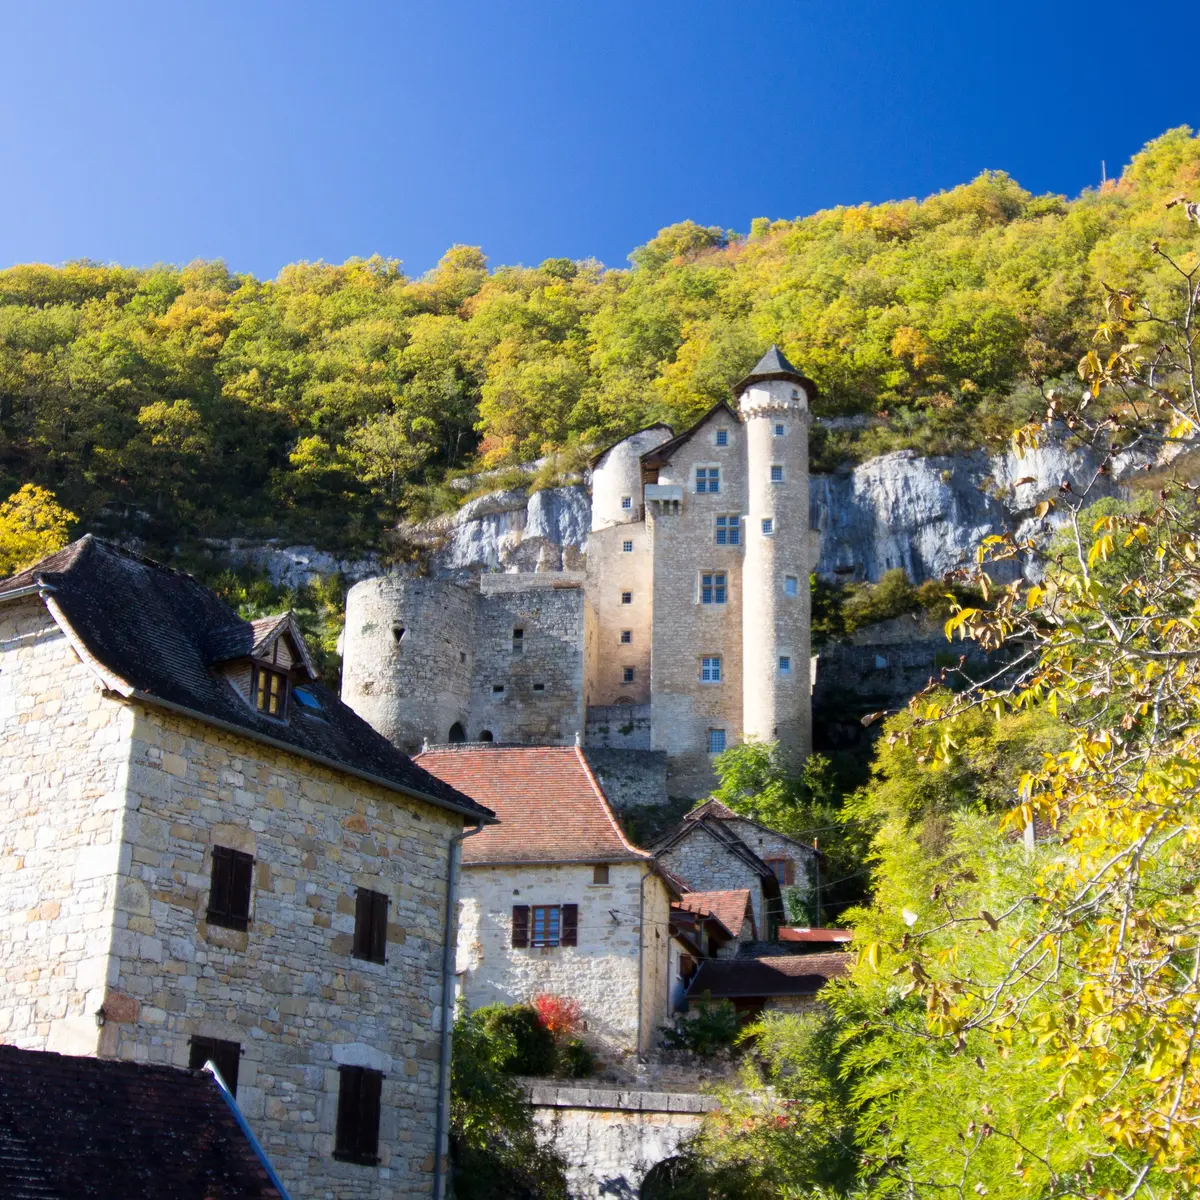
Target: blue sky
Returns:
[[264, 133]]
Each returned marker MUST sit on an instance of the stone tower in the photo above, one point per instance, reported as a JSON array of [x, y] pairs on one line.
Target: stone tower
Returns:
[[773, 401]]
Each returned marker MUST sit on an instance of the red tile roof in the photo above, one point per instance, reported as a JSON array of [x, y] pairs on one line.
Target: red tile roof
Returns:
[[731, 908], [550, 806], [761, 978], [794, 933], [94, 1129]]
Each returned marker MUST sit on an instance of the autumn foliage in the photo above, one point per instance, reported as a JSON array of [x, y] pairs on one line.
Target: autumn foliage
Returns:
[[560, 1015]]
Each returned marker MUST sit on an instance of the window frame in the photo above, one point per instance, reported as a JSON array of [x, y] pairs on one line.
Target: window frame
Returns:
[[626, 637], [626, 597], [370, 925], [780, 429], [721, 437], [524, 918], [626, 503], [793, 590], [518, 640], [600, 875], [786, 877], [712, 476], [627, 546], [729, 533], [784, 665], [767, 526], [262, 670], [230, 881], [776, 475], [360, 1096], [714, 672], [628, 674], [710, 738], [716, 589]]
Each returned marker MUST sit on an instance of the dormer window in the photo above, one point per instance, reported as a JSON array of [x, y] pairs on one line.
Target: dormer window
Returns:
[[269, 689]]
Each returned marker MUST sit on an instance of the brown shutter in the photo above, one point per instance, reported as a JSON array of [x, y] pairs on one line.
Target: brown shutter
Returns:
[[570, 924], [379, 927], [789, 872], [370, 1092], [520, 925], [219, 887]]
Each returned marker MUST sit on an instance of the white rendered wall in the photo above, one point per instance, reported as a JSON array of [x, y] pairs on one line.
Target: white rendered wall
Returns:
[[618, 474]]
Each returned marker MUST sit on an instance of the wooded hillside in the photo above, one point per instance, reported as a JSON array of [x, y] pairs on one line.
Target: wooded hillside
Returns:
[[178, 402]]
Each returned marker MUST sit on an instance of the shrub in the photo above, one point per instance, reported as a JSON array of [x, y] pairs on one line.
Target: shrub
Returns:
[[559, 1014], [575, 1059], [714, 1026], [532, 1046]]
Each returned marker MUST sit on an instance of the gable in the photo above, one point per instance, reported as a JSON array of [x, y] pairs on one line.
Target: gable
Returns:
[[660, 456]]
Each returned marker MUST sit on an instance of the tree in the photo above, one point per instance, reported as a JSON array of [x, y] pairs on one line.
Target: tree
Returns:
[[32, 525]]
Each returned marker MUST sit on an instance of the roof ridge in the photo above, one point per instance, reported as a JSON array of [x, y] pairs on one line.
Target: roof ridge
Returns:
[[587, 769]]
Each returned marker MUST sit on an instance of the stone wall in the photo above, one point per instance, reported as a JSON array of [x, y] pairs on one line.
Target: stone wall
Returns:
[[613, 1139], [287, 989], [620, 727], [541, 672], [63, 774], [630, 778], [613, 573], [707, 865], [601, 972]]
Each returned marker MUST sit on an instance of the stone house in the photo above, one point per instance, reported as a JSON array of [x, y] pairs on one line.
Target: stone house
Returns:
[[687, 630], [206, 855], [715, 849], [555, 899], [735, 912]]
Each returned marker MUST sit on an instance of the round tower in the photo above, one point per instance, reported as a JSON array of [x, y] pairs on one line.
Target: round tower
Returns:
[[617, 478], [774, 404]]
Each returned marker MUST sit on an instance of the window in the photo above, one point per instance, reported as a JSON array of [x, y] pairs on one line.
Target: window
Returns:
[[485, 735], [716, 741], [785, 664], [225, 1056], [627, 547], [722, 437], [784, 870], [776, 473], [518, 641], [462, 656], [600, 873], [791, 585], [710, 670], [626, 637], [370, 926], [230, 888], [779, 428], [626, 597], [270, 691], [359, 1093], [708, 479], [545, 925], [768, 526], [539, 687], [729, 530], [497, 689], [627, 674], [398, 632], [627, 502], [457, 733], [307, 699], [712, 587]]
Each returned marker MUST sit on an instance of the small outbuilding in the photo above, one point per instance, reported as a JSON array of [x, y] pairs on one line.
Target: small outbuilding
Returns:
[[779, 981]]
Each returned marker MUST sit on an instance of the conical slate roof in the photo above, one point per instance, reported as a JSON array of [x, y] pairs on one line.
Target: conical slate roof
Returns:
[[774, 365]]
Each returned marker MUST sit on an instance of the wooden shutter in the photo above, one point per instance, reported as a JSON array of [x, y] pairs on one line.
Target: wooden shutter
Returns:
[[789, 872], [520, 925], [241, 884], [379, 915], [369, 1096], [359, 1093], [226, 1057], [220, 885], [230, 888], [570, 925]]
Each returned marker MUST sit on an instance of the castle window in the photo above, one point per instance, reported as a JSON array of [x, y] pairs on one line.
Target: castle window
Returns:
[[485, 735], [398, 632], [716, 741], [626, 597], [626, 502], [627, 547], [785, 664], [626, 637], [722, 437], [225, 1056], [370, 926], [627, 674], [497, 689], [269, 689], [230, 888], [457, 733], [768, 526], [779, 426], [462, 656], [729, 530], [791, 585], [359, 1092], [708, 479], [712, 587], [600, 873], [776, 473], [710, 670], [539, 687], [518, 641]]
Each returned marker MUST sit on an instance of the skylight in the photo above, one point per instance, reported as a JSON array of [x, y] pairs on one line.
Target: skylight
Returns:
[[306, 698]]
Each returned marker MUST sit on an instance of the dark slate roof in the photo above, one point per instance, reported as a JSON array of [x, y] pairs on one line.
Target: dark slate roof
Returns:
[[761, 978], [774, 365], [90, 1129], [718, 811], [151, 633]]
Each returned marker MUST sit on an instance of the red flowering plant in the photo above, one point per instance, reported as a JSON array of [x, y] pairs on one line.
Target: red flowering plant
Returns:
[[559, 1014]]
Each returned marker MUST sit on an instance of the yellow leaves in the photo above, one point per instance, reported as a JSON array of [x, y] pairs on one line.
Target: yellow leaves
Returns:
[[32, 525], [1025, 438], [1042, 508], [962, 617], [1102, 548]]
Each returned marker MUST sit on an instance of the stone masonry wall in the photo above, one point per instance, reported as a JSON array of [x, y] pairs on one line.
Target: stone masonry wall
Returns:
[[706, 865], [613, 573], [287, 989], [768, 844], [542, 696], [630, 778], [63, 770], [601, 972]]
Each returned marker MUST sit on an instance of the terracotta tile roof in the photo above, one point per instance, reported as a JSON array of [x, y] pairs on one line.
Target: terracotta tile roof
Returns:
[[793, 933], [93, 1129], [147, 630], [761, 978], [550, 806], [731, 908]]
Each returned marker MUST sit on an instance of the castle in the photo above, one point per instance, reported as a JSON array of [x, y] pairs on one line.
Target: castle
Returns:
[[686, 633]]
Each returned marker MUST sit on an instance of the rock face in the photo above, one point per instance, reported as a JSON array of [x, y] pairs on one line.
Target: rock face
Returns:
[[294, 566]]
